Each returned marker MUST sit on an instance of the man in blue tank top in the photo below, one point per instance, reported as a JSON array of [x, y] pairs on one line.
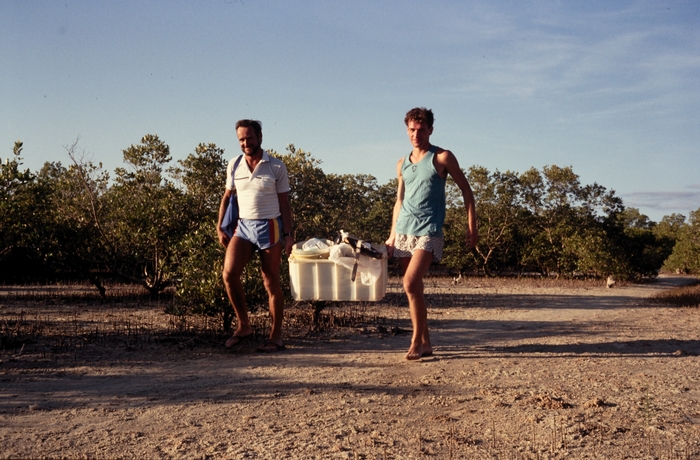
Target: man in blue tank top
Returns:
[[416, 237]]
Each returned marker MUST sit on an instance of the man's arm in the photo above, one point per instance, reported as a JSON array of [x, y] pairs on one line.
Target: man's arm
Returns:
[[397, 209], [286, 211], [449, 162], [223, 237]]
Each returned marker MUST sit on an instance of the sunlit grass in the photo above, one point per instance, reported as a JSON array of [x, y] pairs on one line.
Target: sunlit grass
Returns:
[[686, 296]]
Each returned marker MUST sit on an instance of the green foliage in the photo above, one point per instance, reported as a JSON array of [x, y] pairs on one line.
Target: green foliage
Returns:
[[325, 204], [203, 174], [376, 220], [64, 233], [548, 222], [147, 216], [631, 218], [155, 224], [17, 219], [362, 207], [496, 195], [308, 195], [685, 257], [595, 253], [667, 232], [201, 290], [552, 219], [670, 227]]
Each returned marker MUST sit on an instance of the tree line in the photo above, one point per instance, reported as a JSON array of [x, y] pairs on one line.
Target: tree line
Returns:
[[153, 223]]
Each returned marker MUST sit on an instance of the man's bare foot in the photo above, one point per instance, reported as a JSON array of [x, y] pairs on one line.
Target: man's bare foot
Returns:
[[418, 352]]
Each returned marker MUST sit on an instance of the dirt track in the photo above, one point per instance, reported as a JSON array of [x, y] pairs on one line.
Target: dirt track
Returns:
[[520, 371]]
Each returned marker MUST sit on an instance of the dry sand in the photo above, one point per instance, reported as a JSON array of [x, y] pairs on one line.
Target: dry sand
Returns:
[[521, 370]]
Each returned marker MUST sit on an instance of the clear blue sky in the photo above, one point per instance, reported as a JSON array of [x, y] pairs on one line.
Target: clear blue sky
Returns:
[[609, 88]]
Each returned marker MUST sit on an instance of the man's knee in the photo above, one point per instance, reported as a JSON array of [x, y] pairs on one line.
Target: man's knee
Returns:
[[230, 275], [272, 284], [271, 271], [227, 277]]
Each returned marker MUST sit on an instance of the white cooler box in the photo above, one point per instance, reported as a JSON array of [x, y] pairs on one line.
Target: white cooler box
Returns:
[[322, 279]]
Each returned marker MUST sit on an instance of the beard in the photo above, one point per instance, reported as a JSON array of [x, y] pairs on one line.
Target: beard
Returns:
[[251, 150]]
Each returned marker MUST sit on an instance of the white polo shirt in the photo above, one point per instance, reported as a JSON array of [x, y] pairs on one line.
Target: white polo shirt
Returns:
[[257, 191]]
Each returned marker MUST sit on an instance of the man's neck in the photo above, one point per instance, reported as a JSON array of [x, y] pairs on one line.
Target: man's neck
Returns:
[[253, 159], [420, 152]]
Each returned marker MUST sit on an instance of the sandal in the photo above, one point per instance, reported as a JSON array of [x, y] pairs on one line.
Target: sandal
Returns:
[[417, 356], [236, 340], [271, 347]]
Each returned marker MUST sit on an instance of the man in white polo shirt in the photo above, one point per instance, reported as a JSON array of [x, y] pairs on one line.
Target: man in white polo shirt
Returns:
[[262, 186]]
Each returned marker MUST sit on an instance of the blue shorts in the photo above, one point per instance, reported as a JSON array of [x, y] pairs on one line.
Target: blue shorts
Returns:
[[263, 233]]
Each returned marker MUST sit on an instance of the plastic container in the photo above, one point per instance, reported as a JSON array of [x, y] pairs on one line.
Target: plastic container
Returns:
[[316, 253], [322, 279]]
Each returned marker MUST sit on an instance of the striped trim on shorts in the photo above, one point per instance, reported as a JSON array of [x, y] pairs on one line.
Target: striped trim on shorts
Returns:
[[263, 233], [406, 244]]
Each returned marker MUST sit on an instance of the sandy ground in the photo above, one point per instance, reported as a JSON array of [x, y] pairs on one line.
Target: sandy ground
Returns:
[[520, 371]]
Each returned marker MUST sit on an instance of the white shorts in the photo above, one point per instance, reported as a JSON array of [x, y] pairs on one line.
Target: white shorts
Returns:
[[406, 244]]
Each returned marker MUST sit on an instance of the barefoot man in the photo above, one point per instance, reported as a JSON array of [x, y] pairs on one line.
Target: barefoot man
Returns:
[[416, 237], [265, 226]]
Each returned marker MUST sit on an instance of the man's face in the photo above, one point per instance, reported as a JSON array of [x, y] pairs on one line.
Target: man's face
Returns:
[[419, 134], [248, 140]]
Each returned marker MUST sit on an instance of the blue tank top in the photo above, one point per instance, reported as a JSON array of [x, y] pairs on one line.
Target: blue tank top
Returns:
[[423, 207]]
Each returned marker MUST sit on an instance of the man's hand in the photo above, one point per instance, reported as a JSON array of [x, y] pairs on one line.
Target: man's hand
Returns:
[[288, 243], [390, 246], [223, 237], [471, 238]]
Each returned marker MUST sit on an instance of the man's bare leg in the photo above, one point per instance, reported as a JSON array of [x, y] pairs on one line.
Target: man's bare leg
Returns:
[[415, 268], [271, 259], [238, 254]]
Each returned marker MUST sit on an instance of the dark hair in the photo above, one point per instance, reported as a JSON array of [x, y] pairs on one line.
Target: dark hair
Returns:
[[255, 124], [420, 115]]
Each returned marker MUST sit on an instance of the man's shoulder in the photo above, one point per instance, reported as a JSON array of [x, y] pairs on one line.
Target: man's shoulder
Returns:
[[441, 151], [443, 155], [232, 161], [277, 165], [271, 159], [445, 160]]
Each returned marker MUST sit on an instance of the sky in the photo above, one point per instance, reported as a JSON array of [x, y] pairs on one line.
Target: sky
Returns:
[[611, 89]]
